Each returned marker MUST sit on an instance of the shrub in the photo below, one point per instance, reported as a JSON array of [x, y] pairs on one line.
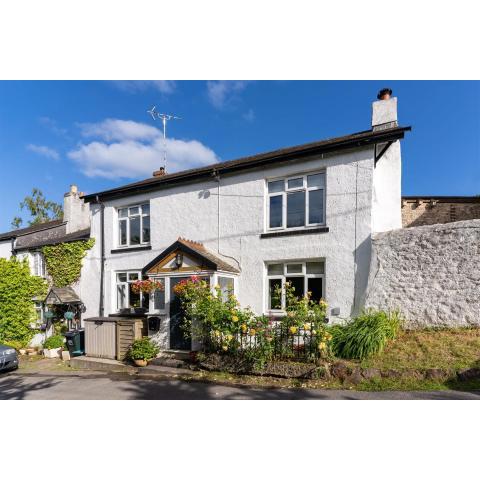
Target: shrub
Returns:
[[366, 335], [143, 349], [55, 341]]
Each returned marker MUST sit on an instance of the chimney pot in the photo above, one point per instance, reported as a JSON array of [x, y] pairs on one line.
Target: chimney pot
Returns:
[[384, 94], [73, 188], [160, 172]]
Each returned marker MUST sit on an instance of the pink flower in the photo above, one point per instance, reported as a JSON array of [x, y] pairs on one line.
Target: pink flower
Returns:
[[194, 278]]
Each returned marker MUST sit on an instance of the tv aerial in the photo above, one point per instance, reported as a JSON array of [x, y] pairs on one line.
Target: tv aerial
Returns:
[[164, 117]]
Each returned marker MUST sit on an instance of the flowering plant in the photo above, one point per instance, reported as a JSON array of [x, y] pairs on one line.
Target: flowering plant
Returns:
[[146, 286]]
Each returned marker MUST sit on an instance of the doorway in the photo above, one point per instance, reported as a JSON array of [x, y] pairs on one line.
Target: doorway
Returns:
[[177, 334]]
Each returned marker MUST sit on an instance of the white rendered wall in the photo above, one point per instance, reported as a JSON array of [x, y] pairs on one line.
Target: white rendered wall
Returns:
[[191, 211], [6, 249]]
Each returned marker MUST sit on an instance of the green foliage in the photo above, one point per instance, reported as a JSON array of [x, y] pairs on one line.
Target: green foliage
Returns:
[[17, 288], [55, 341], [366, 335], [143, 349], [64, 261], [39, 208]]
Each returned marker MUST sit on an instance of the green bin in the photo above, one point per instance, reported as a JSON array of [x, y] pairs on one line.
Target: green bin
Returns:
[[76, 342]]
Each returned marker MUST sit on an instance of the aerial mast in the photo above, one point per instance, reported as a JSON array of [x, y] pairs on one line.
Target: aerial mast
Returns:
[[164, 117]]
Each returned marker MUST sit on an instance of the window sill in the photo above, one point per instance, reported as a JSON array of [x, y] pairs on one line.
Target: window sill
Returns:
[[131, 249], [287, 233]]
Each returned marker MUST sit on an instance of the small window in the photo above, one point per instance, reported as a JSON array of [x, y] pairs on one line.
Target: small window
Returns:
[[275, 269], [296, 209], [294, 268], [125, 296], [295, 183], [159, 297], [277, 186], [274, 294], [134, 225], [226, 285]]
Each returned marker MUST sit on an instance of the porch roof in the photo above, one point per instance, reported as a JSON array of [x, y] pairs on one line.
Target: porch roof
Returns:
[[66, 295], [194, 249]]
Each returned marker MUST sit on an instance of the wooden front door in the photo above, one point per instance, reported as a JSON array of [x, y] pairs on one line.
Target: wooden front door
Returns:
[[177, 334]]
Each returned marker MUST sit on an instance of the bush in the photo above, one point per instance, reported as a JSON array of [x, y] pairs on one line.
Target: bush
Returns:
[[366, 335], [55, 341], [143, 349]]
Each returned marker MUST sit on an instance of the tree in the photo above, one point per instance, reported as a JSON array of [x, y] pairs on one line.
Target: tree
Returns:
[[40, 209]]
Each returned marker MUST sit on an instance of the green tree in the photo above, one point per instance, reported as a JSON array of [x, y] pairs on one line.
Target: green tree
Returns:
[[40, 209], [17, 289]]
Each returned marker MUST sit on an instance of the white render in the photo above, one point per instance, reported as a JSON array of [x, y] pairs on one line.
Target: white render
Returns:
[[6, 249], [230, 225]]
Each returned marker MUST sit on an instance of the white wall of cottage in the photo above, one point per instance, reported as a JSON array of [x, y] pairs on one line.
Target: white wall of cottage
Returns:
[[192, 211]]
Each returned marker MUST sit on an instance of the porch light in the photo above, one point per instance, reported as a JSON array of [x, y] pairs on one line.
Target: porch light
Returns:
[[179, 260]]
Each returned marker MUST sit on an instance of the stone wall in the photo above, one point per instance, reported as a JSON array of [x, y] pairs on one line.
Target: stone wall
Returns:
[[430, 273], [418, 211]]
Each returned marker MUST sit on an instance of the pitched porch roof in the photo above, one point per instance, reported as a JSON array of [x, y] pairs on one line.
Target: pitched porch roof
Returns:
[[58, 296], [205, 259]]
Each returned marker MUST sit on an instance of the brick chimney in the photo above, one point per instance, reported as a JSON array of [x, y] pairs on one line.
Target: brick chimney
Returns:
[[160, 172], [384, 111], [75, 212]]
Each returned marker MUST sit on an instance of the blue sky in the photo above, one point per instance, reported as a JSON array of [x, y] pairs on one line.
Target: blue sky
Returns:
[[98, 135]]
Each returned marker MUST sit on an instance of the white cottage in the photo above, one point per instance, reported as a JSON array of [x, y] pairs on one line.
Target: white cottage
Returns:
[[303, 214]]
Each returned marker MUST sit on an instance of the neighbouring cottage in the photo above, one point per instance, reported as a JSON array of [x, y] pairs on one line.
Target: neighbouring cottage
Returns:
[[304, 214], [27, 243]]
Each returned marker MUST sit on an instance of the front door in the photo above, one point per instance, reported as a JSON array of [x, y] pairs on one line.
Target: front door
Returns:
[[177, 334]]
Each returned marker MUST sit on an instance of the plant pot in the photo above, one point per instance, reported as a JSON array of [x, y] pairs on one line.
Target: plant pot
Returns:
[[52, 352], [65, 355], [140, 363]]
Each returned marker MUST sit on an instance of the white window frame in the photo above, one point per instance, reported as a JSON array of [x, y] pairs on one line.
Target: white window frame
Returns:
[[127, 291], [286, 191], [38, 264], [127, 221], [285, 274]]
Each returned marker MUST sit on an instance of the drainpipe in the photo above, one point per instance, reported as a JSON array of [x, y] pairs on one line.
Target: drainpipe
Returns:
[[102, 253], [13, 247]]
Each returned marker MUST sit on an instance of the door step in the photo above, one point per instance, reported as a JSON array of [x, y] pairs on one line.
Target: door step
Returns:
[[172, 358]]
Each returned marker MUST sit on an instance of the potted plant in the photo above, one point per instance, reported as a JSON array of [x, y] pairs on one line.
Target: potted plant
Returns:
[[142, 350], [52, 346]]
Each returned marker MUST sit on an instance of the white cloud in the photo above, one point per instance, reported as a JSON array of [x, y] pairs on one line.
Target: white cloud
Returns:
[[44, 151], [222, 92], [114, 129], [132, 150], [133, 86]]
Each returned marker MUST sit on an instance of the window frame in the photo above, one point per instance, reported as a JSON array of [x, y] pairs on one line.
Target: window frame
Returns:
[[39, 268], [284, 276], [127, 220], [284, 194], [144, 303]]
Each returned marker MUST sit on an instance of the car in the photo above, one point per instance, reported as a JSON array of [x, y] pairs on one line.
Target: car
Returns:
[[8, 358]]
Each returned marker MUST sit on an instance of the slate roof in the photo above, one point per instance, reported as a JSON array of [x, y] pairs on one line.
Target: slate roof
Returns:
[[58, 295], [33, 228], [53, 236], [355, 140]]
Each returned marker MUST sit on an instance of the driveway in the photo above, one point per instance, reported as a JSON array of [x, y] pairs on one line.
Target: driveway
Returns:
[[101, 386]]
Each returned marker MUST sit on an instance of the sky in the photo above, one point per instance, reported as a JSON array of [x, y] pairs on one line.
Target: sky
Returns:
[[98, 134]]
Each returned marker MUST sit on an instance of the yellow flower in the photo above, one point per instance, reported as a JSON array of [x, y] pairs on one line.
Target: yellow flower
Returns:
[[314, 332], [217, 333], [307, 326], [323, 303], [229, 337], [293, 330], [252, 331], [244, 328], [322, 346], [234, 318], [290, 314], [225, 348]]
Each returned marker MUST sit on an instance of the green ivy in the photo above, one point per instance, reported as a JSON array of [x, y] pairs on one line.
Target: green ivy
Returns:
[[17, 288], [64, 261]]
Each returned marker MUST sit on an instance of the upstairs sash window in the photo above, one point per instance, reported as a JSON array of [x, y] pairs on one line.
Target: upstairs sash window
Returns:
[[134, 225]]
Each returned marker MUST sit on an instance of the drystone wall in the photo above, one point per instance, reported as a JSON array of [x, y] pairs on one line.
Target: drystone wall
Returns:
[[430, 273]]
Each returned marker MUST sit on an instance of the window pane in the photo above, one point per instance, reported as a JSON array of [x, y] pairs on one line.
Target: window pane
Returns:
[[123, 232], [275, 211], [317, 180], [159, 299], [275, 293], [315, 206], [145, 229], [146, 209], [123, 212], [298, 283], [121, 296], [296, 209], [133, 277], [315, 267], [134, 298], [294, 268], [316, 288], [133, 211], [121, 277], [277, 186], [275, 269], [226, 286], [134, 230], [295, 183]]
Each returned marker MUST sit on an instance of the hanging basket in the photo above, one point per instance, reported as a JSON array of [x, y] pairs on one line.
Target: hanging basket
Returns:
[[68, 315], [49, 315]]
